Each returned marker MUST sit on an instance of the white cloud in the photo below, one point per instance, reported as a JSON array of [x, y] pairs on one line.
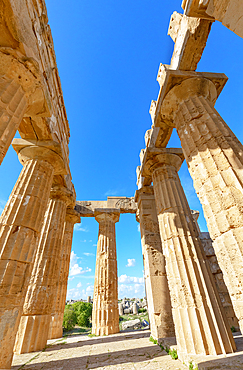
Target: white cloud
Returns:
[[139, 228], [111, 192], [131, 291], [73, 258], [79, 285], [77, 293], [130, 262], [78, 227], [2, 205], [90, 289], [94, 245], [88, 254], [130, 279], [75, 269]]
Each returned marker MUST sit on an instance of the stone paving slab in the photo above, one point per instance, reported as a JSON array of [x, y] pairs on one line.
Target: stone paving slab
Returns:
[[121, 351]]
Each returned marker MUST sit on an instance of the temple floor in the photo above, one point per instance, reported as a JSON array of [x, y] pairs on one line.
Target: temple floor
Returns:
[[126, 350]]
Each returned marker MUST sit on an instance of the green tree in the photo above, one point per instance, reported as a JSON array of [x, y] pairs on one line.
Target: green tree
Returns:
[[83, 312], [69, 318]]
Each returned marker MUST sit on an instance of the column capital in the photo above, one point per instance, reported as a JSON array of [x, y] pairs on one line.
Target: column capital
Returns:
[[155, 158], [64, 194], [19, 68], [25, 72], [107, 214], [138, 216], [73, 216], [144, 191], [48, 151], [177, 86]]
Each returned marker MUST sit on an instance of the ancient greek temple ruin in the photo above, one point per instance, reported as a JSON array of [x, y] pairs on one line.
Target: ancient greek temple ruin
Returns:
[[194, 280]]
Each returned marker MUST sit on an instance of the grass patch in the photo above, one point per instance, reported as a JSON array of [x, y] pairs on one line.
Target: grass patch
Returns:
[[171, 352]]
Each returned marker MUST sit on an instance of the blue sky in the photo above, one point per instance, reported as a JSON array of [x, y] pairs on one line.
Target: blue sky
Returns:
[[108, 54]]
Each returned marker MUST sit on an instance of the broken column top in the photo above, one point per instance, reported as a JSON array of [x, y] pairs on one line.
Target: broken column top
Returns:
[[121, 204]]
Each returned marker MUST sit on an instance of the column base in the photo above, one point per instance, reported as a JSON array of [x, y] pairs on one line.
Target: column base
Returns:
[[107, 330], [9, 322], [55, 329], [32, 334], [162, 325]]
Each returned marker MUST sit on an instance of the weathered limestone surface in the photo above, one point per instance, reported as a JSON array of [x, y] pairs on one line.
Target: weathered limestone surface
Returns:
[[31, 102], [190, 36], [34, 325], [12, 107], [105, 316], [122, 204], [229, 12], [207, 244], [214, 158], [200, 323], [55, 329], [31, 98], [20, 225], [157, 290]]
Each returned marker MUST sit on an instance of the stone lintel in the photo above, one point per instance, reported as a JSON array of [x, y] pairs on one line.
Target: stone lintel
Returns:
[[229, 12], [196, 8], [169, 78], [148, 161], [120, 204], [190, 35], [86, 208], [100, 211]]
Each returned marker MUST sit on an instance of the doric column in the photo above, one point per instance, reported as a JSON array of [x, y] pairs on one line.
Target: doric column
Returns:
[[36, 318], [200, 323], [207, 244], [20, 226], [105, 316], [215, 160], [18, 81], [55, 330], [159, 303]]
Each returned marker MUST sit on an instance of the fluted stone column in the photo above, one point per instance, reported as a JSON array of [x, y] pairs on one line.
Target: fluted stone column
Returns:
[[215, 160], [55, 330], [36, 318], [18, 81], [20, 226], [200, 323], [207, 244], [157, 290], [105, 316]]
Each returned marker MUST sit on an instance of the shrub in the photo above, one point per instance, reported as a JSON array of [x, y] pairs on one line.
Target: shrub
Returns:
[[140, 310], [69, 319]]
